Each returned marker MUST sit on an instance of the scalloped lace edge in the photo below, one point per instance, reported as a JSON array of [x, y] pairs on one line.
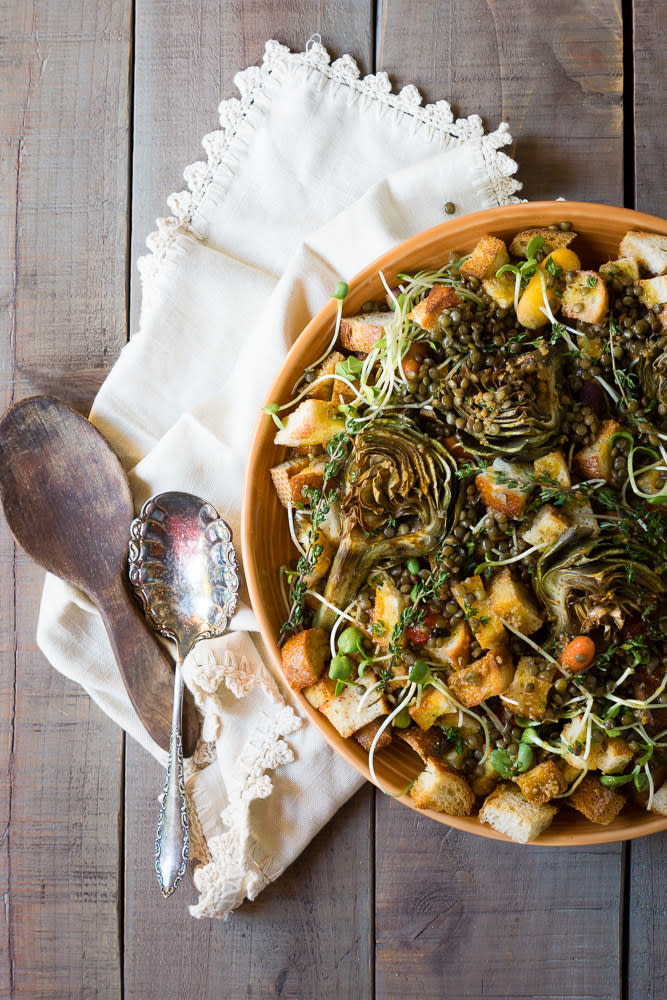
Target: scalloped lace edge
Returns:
[[224, 151]]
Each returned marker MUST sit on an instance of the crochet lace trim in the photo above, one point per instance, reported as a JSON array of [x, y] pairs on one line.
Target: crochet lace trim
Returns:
[[224, 147]]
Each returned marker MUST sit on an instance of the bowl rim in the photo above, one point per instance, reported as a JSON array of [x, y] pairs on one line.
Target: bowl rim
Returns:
[[584, 216]]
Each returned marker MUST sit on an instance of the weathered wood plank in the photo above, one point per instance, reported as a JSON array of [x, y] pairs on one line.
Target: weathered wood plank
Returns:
[[64, 72], [554, 75], [487, 919], [310, 934], [462, 917], [650, 142], [647, 916]]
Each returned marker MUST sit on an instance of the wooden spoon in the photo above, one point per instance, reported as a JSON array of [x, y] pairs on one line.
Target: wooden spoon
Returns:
[[68, 503]]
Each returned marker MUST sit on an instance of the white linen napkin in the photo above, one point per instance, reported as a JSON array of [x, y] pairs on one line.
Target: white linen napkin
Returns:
[[313, 173]]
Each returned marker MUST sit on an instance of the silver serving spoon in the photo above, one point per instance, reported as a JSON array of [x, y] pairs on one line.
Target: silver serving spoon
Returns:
[[182, 566]]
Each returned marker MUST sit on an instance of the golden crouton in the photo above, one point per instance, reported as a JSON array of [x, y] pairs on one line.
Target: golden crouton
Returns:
[[546, 527], [319, 692], [344, 713], [552, 466], [613, 756], [313, 422], [304, 656], [509, 812], [653, 291], [527, 694], [542, 783], [485, 778], [428, 312], [489, 255], [325, 558], [432, 705], [281, 476], [367, 734], [454, 649], [471, 597], [553, 239], [623, 267], [440, 788], [386, 613], [580, 514], [659, 804], [342, 393], [501, 289], [310, 477], [361, 333], [505, 487], [595, 461], [428, 743], [585, 297], [597, 803], [483, 678], [648, 249], [323, 390], [512, 602]]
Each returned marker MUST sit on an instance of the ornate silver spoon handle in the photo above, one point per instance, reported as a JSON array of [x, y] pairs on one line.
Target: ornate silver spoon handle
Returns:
[[172, 841]]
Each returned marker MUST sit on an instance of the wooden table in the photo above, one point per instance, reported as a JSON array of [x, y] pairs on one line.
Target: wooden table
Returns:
[[103, 103]]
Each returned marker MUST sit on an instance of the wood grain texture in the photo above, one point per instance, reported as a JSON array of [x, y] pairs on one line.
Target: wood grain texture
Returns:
[[306, 935], [509, 922], [64, 71], [650, 117], [555, 75]]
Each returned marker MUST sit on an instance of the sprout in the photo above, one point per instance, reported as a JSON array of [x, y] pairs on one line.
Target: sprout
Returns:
[[512, 408], [395, 475]]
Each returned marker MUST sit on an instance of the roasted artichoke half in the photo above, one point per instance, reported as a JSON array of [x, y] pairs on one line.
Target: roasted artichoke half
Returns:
[[511, 408], [596, 583], [398, 500]]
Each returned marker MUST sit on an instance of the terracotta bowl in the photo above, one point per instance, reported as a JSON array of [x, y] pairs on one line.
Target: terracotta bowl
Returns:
[[266, 541]]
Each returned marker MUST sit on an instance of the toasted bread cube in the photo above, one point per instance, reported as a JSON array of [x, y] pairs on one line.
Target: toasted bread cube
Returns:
[[313, 422], [319, 692], [386, 613], [553, 467], [527, 694], [367, 734], [325, 558], [484, 678], [614, 756], [428, 312], [653, 291], [509, 812], [623, 268], [489, 255], [573, 737], [485, 778], [648, 249], [546, 527], [595, 461], [542, 783], [580, 514], [455, 649], [304, 657], [361, 333], [323, 390], [553, 239], [505, 487], [470, 595], [585, 297], [310, 477], [342, 393], [659, 804], [281, 476], [501, 289], [344, 713], [440, 788], [433, 704], [511, 601], [427, 743], [662, 316], [597, 803]]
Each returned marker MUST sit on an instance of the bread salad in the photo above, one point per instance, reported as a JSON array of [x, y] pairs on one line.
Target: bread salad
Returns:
[[476, 488]]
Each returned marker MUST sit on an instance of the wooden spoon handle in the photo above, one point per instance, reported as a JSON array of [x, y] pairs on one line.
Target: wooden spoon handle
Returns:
[[147, 670]]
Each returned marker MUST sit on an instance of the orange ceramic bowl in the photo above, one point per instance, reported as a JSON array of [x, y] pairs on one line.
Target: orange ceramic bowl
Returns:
[[266, 541]]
